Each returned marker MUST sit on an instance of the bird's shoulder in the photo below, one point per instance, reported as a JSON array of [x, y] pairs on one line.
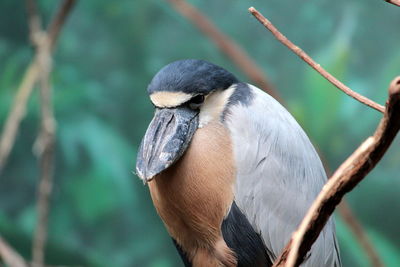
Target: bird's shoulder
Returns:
[[265, 135]]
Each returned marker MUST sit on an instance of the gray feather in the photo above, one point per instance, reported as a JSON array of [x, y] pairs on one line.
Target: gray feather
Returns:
[[279, 174]]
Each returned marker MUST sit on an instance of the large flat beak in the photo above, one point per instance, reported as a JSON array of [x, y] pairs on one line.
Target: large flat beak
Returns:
[[165, 141]]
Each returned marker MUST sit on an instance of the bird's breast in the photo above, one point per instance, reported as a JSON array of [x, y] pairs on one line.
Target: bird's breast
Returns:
[[194, 195]]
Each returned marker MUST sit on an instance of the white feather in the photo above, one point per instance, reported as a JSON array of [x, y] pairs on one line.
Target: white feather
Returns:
[[214, 105], [279, 174]]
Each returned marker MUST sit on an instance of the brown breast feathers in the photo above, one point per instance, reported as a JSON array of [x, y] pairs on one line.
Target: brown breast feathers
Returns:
[[193, 196]]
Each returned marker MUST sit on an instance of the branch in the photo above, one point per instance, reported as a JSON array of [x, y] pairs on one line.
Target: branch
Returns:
[[55, 26], [34, 21], [17, 111], [44, 147], [10, 257], [226, 45], [347, 215], [39, 69], [394, 2], [346, 177], [297, 50]]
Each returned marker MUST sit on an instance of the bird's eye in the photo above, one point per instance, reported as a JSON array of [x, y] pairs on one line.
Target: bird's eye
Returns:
[[196, 102]]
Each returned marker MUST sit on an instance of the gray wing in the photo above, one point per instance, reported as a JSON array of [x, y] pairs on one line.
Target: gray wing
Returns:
[[279, 174]]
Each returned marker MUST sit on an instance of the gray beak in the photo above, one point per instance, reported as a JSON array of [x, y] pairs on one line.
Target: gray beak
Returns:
[[165, 141]]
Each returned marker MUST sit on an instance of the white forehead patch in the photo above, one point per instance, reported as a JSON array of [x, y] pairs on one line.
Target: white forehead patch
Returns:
[[214, 105], [166, 99]]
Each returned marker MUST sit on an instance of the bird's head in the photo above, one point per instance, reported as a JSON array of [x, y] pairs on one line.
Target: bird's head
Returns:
[[187, 94]]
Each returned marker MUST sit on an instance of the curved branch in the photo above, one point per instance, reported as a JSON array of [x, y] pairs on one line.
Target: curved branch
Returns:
[[346, 177], [297, 50]]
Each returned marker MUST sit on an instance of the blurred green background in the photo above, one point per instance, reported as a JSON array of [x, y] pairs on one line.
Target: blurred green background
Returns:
[[101, 214]]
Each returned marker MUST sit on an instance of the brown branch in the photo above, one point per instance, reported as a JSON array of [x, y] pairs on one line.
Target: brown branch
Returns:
[[297, 50], [55, 26], [394, 2], [346, 177], [34, 21], [10, 257], [349, 218], [44, 147], [226, 45], [38, 69], [19, 108], [17, 111]]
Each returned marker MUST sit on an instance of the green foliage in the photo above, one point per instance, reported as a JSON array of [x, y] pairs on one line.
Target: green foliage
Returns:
[[101, 213]]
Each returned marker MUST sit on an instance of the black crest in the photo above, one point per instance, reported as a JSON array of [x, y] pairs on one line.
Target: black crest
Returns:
[[191, 76]]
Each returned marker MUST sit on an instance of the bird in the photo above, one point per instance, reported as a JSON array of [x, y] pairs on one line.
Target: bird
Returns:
[[230, 171]]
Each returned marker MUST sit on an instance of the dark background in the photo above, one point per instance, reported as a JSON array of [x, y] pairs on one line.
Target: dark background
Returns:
[[109, 50]]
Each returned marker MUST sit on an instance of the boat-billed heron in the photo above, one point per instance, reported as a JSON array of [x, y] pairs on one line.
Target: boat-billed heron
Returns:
[[230, 171]]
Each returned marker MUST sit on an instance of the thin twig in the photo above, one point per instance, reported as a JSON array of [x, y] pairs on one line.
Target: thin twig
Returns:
[[394, 2], [54, 27], [17, 111], [226, 45], [40, 40], [10, 257], [297, 50], [44, 142], [44, 148], [349, 218], [346, 177], [34, 20], [44, 145]]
